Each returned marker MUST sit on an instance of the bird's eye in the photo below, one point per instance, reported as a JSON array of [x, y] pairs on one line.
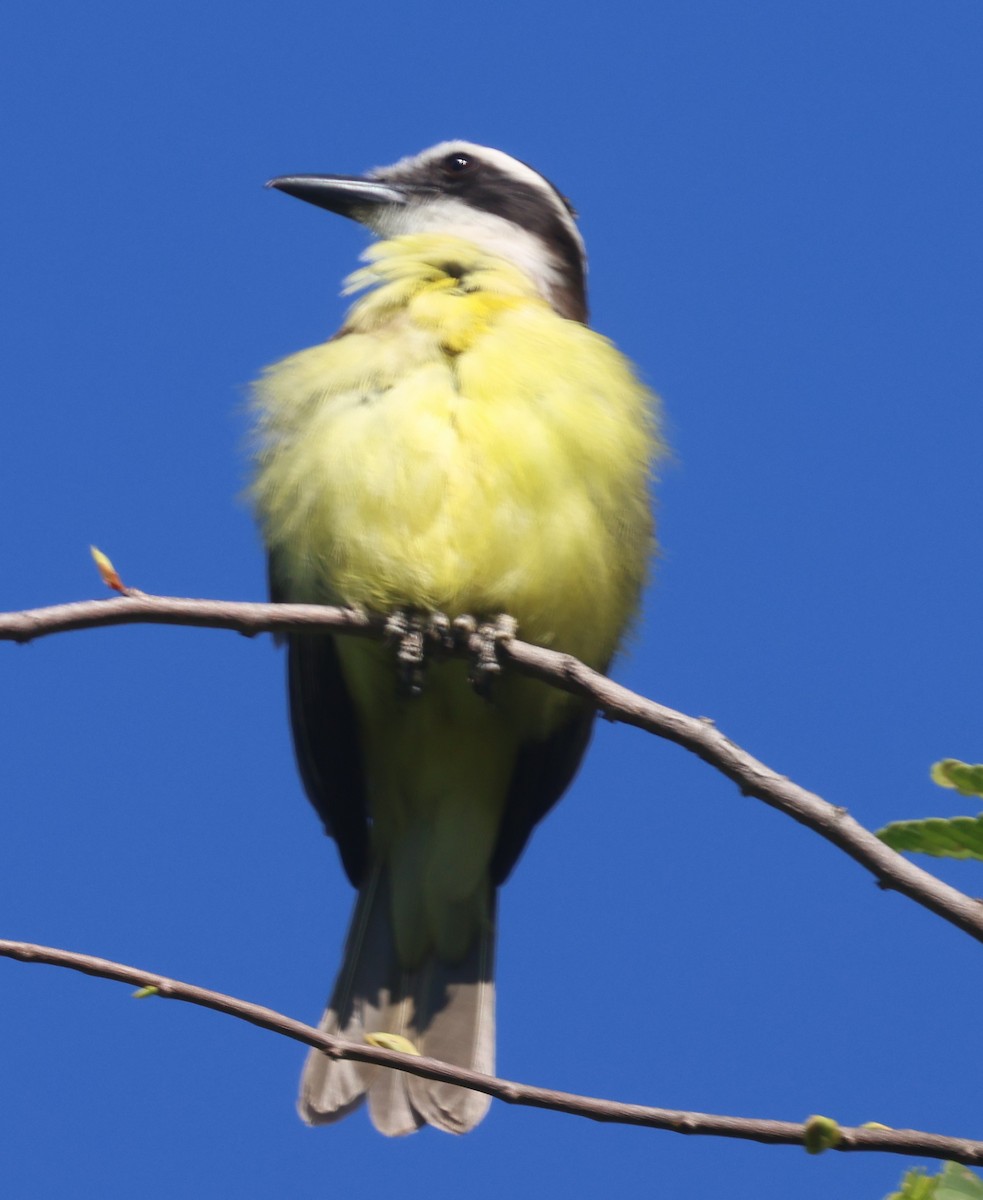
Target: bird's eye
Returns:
[[457, 163]]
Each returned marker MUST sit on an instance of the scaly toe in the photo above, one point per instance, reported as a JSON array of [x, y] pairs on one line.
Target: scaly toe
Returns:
[[440, 632], [484, 660], [407, 630]]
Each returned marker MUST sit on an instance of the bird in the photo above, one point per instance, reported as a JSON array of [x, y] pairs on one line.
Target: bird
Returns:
[[464, 453]]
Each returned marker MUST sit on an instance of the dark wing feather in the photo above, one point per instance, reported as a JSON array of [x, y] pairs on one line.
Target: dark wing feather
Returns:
[[327, 745], [543, 772], [327, 742]]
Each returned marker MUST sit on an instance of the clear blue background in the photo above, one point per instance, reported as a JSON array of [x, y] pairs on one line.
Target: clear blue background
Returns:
[[782, 204]]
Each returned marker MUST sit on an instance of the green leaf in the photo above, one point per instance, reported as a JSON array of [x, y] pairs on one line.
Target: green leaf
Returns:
[[954, 1182], [956, 837], [966, 778], [958, 1183], [916, 1185]]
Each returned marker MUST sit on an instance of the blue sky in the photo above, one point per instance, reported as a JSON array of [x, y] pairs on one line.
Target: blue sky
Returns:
[[782, 208]]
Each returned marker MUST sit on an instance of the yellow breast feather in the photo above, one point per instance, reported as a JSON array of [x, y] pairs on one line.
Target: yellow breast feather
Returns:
[[477, 453]]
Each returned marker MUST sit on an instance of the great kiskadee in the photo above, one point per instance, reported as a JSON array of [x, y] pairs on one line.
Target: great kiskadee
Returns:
[[464, 446]]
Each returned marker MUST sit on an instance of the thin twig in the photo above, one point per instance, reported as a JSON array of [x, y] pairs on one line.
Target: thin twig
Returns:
[[139, 608], [698, 735], [789, 1133]]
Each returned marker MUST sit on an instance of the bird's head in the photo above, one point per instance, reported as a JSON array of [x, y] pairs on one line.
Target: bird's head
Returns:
[[473, 192]]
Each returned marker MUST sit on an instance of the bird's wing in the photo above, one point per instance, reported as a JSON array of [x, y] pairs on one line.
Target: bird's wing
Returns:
[[543, 771], [326, 741]]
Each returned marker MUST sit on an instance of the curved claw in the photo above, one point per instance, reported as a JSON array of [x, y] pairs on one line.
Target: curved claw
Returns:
[[484, 656], [406, 630], [415, 635]]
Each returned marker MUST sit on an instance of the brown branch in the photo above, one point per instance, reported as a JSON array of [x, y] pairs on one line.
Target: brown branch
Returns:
[[138, 608], [788, 1133], [754, 778], [561, 670]]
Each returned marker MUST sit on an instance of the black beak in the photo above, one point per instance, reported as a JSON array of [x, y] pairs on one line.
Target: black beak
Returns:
[[345, 194]]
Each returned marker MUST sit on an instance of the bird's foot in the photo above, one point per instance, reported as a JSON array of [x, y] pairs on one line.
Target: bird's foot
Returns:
[[418, 635], [482, 638], [405, 630], [415, 635]]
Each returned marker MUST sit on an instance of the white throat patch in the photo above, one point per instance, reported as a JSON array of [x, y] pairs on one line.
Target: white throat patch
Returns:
[[494, 234]]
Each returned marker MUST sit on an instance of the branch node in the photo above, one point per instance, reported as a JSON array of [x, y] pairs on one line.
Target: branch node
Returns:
[[570, 667]]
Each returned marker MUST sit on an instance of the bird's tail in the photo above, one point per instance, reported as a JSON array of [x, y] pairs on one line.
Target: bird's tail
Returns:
[[447, 1010]]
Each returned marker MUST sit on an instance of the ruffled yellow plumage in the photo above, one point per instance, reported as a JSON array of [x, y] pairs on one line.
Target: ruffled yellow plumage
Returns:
[[458, 447]]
